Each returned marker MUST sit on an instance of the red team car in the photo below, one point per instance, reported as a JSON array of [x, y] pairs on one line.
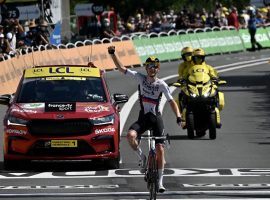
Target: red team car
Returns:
[[62, 113]]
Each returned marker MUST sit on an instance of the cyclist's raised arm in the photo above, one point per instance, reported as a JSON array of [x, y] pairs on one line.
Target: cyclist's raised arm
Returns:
[[116, 60]]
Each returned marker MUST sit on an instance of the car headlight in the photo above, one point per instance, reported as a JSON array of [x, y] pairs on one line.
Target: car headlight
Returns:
[[103, 120], [16, 121]]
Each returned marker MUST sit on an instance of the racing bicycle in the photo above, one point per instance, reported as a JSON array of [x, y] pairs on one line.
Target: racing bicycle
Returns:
[[151, 170]]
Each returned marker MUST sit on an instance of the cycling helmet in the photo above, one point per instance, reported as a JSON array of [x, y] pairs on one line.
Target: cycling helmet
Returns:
[[198, 56], [152, 61], [186, 53]]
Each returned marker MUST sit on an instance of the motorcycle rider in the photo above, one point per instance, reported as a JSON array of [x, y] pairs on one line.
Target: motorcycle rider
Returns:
[[198, 58], [150, 92], [186, 54], [183, 67]]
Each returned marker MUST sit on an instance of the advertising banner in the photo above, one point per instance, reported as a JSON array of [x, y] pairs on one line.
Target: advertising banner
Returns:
[[209, 42], [55, 37], [173, 46], [229, 41], [144, 48]]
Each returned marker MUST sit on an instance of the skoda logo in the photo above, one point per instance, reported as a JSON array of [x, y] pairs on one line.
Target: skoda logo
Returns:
[[59, 116]]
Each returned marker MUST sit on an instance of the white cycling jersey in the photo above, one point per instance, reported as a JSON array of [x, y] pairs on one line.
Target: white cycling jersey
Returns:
[[150, 93]]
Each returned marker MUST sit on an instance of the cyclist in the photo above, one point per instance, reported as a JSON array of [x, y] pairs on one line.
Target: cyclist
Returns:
[[150, 92]]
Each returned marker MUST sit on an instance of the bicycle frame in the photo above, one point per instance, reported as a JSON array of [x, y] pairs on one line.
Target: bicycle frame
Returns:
[[151, 172]]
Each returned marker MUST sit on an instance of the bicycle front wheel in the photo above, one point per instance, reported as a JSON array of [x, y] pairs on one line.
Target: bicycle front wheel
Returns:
[[153, 178]]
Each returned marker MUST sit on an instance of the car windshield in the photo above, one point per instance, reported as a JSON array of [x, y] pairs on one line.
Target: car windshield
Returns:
[[62, 89]]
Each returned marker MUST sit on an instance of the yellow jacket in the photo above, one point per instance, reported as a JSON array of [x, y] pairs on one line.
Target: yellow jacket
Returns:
[[183, 70]]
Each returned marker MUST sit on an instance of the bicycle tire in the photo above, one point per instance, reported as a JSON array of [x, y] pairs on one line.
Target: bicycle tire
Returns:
[[153, 177]]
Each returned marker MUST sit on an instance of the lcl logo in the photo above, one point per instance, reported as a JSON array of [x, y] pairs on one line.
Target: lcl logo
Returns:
[[85, 70], [60, 70], [37, 71]]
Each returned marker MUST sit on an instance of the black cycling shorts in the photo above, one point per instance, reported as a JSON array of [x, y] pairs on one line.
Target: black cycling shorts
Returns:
[[149, 121]]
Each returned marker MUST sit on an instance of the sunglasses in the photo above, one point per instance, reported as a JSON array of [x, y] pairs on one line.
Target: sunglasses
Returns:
[[152, 66], [188, 54]]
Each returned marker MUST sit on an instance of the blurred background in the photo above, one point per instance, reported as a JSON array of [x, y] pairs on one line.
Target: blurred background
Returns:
[[32, 23]]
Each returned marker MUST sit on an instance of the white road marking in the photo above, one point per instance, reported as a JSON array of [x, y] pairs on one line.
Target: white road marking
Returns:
[[167, 193], [215, 186], [243, 62], [135, 173]]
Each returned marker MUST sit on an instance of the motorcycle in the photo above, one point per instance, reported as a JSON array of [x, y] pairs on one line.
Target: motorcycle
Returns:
[[200, 102]]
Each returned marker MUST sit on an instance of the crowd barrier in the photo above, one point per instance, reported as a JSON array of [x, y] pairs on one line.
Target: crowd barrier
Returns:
[[132, 50]]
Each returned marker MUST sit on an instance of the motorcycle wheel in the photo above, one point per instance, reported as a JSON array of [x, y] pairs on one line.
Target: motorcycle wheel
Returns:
[[212, 126], [190, 125]]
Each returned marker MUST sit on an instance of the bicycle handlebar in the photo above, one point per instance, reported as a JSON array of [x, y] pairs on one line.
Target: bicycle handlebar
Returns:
[[165, 137]]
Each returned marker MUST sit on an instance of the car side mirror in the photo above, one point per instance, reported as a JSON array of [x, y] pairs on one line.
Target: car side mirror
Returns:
[[5, 99], [120, 98]]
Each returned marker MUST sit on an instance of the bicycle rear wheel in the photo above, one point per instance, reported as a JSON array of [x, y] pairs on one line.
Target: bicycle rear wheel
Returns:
[[153, 177]]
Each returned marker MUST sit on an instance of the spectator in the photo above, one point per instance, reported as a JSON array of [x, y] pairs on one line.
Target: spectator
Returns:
[[165, 25], [4, 47], [204, 16], [243, 19], [156, 26], [30, 39], [252, 28], [139, 23], [197, 21], [148, 24], [218, 10], [131, 27], [120, 28], [233, 18], [11, 42], [210, 21], [106, 31], [93, 28], [43, 34], [182, 22], [19, 33]]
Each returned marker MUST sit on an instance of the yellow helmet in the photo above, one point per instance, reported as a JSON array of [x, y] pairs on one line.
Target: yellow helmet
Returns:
[[186, 53], [198, 56], [198, 52], [152, 61], [186, 50]]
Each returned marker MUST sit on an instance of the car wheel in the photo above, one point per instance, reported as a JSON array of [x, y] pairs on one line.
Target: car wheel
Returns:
[[212, 126], [190, 125]]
